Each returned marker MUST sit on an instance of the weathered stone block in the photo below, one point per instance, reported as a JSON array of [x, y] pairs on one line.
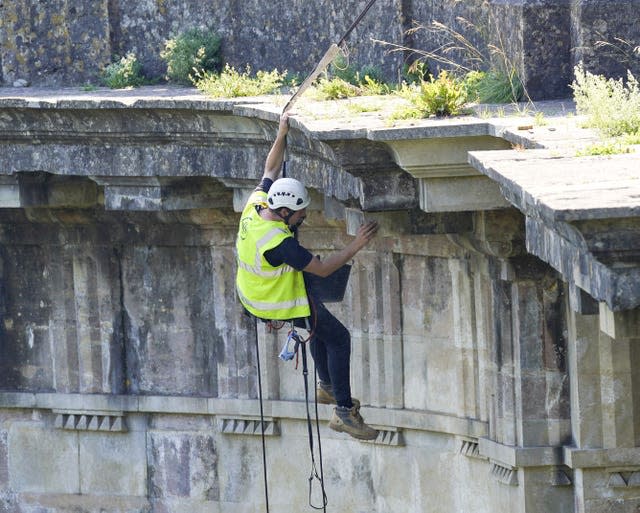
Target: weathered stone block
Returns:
[[113, 464], [43, 460], [183, 465]]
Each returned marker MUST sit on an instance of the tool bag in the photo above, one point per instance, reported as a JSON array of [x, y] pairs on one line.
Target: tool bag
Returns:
[[328, 289]]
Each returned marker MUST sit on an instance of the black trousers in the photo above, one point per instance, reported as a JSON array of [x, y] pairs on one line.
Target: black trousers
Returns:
[[331, 351]]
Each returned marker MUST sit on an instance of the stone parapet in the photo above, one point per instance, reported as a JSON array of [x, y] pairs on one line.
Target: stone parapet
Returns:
[[70, 42]]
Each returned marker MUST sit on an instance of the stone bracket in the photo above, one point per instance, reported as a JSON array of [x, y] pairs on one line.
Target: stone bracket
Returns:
[[130, 193], [504, 475], [389, 436], [248, 426], [139, 193], [446, 182], [470, 447], [624, 479], [76, 420]]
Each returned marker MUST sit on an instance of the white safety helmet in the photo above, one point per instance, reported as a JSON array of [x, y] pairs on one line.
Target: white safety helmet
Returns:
[[288, 192]]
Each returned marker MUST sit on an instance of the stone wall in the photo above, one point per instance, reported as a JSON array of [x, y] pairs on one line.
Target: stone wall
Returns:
[[493, 341], [69, 43]]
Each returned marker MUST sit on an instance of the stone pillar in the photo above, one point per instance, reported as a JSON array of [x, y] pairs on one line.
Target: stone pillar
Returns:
[[529, 414], [535, 34], [605, 393], [377, 348]]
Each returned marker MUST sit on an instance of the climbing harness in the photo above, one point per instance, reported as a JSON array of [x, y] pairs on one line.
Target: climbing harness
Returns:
[[329, 55]]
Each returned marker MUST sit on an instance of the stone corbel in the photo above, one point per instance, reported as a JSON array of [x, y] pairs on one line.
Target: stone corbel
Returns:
[[77, 420], [139, 193], [446, 182], [130, 192], [371, 176], [9, 192], [248, 426]]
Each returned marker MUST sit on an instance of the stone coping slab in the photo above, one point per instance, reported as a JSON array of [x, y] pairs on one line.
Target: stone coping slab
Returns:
[[353, 118], [561, 188]]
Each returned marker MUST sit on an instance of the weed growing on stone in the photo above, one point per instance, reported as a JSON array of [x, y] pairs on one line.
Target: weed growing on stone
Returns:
[[334, 89], [124, 72], [611, 106], [493, 87], [358, 108], [194, 51], [612, 147], [444, 96], [341, 68], [342, 80], [486, 69], [539, 119], [231, 83]]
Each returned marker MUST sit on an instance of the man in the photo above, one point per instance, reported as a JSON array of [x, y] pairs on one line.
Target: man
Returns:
[[271, 286]]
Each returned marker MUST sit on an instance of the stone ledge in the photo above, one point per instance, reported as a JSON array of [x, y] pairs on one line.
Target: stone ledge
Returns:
[[625, 457], [389, 421], [574, 208], [511, 456]]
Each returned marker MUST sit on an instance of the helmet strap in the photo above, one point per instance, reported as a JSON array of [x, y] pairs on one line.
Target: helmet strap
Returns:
[[287, 217]]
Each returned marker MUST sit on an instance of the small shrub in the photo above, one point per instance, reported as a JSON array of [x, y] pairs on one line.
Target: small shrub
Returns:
[[365, 81], [373, 87], [611, 106], [232, 83], [444, 96], [335, 89], [195, 51], [125, 72]]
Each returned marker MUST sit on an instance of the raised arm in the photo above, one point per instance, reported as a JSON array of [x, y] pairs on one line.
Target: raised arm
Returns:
[[273, 164], [325, 267]]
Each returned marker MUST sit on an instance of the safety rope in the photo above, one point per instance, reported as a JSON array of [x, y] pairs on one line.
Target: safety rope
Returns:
[[326, 59], [286, 354], [262, 423]]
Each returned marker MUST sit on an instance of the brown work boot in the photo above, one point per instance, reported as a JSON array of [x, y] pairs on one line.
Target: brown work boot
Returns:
[[324, 395], [349, 420]]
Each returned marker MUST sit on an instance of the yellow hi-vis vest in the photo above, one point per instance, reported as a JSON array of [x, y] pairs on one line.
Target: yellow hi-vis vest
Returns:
[[273, 293]]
